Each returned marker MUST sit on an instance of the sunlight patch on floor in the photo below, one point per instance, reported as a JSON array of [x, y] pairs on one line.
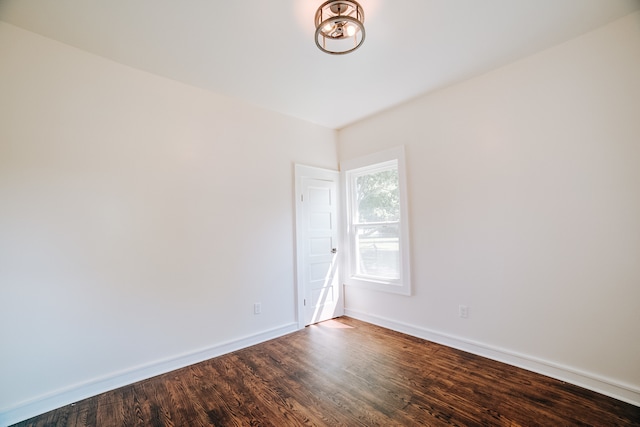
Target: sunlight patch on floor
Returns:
[[335, 324]]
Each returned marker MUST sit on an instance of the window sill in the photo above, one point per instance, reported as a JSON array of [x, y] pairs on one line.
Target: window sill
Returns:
[[379, 285]]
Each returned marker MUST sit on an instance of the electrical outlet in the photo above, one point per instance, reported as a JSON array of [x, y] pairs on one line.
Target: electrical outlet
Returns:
[[257, 308], [463, 311]]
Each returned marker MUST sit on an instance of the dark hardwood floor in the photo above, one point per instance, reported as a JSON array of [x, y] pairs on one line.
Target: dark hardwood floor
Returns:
[[348, 373]]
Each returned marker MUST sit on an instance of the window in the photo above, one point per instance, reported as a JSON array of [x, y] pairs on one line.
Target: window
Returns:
[[377, 227]]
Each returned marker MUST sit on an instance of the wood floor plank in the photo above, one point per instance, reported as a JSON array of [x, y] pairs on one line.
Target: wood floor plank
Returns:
[[346, 373]]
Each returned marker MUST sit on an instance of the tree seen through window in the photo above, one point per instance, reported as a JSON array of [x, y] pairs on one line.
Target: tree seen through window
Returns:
[[377, 224]]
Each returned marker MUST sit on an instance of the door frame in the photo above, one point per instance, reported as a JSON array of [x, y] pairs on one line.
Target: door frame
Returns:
[[301, 172]]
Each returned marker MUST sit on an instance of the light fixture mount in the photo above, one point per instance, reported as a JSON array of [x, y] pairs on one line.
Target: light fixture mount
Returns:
[[339, 26]]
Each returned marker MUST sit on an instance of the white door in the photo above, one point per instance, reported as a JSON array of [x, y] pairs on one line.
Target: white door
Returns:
[[319, 290]]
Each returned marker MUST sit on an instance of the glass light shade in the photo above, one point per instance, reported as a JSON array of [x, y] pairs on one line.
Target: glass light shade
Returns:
[[339, 26]]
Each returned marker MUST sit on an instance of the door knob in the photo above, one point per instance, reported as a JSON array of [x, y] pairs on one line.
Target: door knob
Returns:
[[334, 250]]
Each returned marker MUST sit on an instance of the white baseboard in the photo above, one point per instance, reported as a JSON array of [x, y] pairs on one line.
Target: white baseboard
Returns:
[[612, 388], [74, 393]]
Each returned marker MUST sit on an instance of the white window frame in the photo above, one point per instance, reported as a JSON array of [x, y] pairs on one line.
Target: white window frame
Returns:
[[349, 171]]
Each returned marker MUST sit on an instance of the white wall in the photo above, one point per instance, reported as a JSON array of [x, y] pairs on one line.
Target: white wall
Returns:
[[524, 192], [140, 218]]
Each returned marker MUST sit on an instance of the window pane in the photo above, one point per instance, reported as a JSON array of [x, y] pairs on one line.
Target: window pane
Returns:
[[378, 251], [378, 197]]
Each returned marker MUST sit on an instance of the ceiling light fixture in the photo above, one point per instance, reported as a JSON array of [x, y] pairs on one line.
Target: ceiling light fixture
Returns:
[[339, 26]]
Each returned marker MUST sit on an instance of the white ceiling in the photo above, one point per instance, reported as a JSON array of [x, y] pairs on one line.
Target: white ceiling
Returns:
[[263, 51]]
